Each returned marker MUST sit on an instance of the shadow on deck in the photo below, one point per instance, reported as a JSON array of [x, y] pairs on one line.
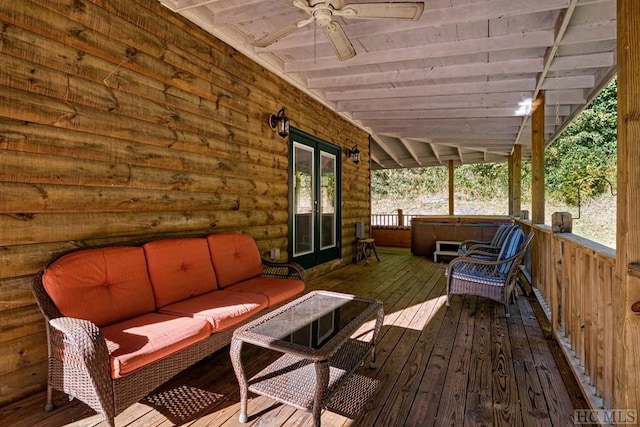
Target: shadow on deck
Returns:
[[465, 365]]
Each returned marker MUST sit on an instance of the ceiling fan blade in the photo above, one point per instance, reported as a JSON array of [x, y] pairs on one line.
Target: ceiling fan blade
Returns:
[[281, 33], [401, 10], [339, 41]]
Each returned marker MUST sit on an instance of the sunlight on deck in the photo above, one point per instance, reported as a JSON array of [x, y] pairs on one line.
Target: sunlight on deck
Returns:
[[417, 316]]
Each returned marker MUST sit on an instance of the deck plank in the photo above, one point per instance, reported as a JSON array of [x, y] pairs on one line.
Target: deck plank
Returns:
[[463, 365]]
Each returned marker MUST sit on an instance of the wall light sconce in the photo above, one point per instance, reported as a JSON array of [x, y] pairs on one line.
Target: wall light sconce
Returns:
[[279, 123], [354, 154]]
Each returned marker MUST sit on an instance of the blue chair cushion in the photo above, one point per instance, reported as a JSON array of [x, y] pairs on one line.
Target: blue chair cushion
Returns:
[[501, 234], [511, 245]]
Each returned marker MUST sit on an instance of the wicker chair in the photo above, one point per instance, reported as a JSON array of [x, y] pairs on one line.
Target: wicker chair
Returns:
[[489, 277], [493, 246]]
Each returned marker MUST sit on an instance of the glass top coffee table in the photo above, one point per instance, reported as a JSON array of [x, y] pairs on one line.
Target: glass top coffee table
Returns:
[[314, 333]]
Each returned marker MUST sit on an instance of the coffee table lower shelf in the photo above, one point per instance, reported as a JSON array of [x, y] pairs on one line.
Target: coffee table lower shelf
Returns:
[[292, 379]]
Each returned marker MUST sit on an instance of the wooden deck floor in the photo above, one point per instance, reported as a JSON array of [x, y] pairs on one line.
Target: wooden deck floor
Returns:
[[466, 365]]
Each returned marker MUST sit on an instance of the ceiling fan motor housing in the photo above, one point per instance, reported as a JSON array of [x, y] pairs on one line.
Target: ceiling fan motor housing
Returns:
[[323, 16]]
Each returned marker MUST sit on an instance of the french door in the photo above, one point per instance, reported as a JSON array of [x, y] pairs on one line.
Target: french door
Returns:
[[315, 199]]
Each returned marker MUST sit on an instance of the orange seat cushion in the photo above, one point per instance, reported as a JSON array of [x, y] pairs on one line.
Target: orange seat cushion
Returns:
[[235, 257], [104, 285], [276, 290], [179, 269], [137, 342], [222, 309]]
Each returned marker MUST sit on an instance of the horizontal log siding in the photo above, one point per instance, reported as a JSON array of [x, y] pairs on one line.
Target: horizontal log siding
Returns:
[[121, 122]]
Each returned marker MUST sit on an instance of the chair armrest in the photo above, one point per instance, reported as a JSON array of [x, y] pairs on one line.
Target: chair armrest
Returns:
[[484, 247], [284, 270], [483, 250], [465, 245]]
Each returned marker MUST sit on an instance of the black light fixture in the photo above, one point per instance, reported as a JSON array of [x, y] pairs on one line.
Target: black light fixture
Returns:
[[354, 154], [279, 123]]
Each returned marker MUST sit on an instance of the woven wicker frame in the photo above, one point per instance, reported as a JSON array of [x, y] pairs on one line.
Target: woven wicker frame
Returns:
[[501, 292], [79, 362], [290, 378]]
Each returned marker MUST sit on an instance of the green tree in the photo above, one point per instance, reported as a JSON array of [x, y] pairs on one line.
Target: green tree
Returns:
[[581, 163]]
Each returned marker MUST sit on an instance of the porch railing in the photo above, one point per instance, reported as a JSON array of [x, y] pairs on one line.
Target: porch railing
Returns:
[[392, 220], [575, 277]]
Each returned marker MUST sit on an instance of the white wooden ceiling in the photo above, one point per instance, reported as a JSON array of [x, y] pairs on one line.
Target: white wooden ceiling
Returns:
[[454, 85]]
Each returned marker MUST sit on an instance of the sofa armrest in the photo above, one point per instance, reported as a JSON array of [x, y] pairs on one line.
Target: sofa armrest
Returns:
[[284, 270], [79, 343], [84, 369]]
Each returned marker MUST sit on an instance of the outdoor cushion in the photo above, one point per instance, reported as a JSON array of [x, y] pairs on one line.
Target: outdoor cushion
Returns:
[[510, 247], [501, 234], [479, 276], [222, 308], [105, 285], [235, 257], [179, 269], [144, 339], [276, 290]]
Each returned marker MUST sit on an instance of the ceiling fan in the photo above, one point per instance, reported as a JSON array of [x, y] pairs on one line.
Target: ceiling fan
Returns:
[[323, 11]]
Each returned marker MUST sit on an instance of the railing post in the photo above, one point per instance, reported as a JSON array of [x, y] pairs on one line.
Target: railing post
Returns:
[[400, 218]]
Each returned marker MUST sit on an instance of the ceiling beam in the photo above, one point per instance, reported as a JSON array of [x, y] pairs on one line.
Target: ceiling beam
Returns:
[[531, 39], [389, 126], [482, 69], [569, 82], [434, 90], [244, 12], [579, 62], [383, 145], [593, 32], [435, 152], [503, 99], [408, 146], [375, 159], [179, 6], [503, 122], [451, 113]]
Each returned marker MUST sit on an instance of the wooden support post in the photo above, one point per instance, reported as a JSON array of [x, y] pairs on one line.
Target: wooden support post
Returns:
[[400, 218], [451, 188], [626, 352], [510, 183], [537, 160], [516, 201]]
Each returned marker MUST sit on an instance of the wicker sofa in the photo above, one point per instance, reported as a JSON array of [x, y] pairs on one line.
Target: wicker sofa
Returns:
[[122, 320]]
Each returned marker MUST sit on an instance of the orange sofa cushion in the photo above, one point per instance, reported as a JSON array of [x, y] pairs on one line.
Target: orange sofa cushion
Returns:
[[104, 285], [235, 257], [144, 339], [179, 269], [276, 290], [222, 308]]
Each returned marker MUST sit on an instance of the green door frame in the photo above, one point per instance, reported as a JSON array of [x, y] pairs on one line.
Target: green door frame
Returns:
[[318, 255]]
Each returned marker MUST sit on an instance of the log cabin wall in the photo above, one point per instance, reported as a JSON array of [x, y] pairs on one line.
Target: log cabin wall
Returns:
[[121, 122]]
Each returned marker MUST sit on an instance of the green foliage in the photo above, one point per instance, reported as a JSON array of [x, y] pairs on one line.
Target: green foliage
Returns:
[[409, 182], [581, 163]]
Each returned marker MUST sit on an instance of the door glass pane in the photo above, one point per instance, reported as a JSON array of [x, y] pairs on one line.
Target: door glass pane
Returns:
[[303, 199], [327, 200]]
